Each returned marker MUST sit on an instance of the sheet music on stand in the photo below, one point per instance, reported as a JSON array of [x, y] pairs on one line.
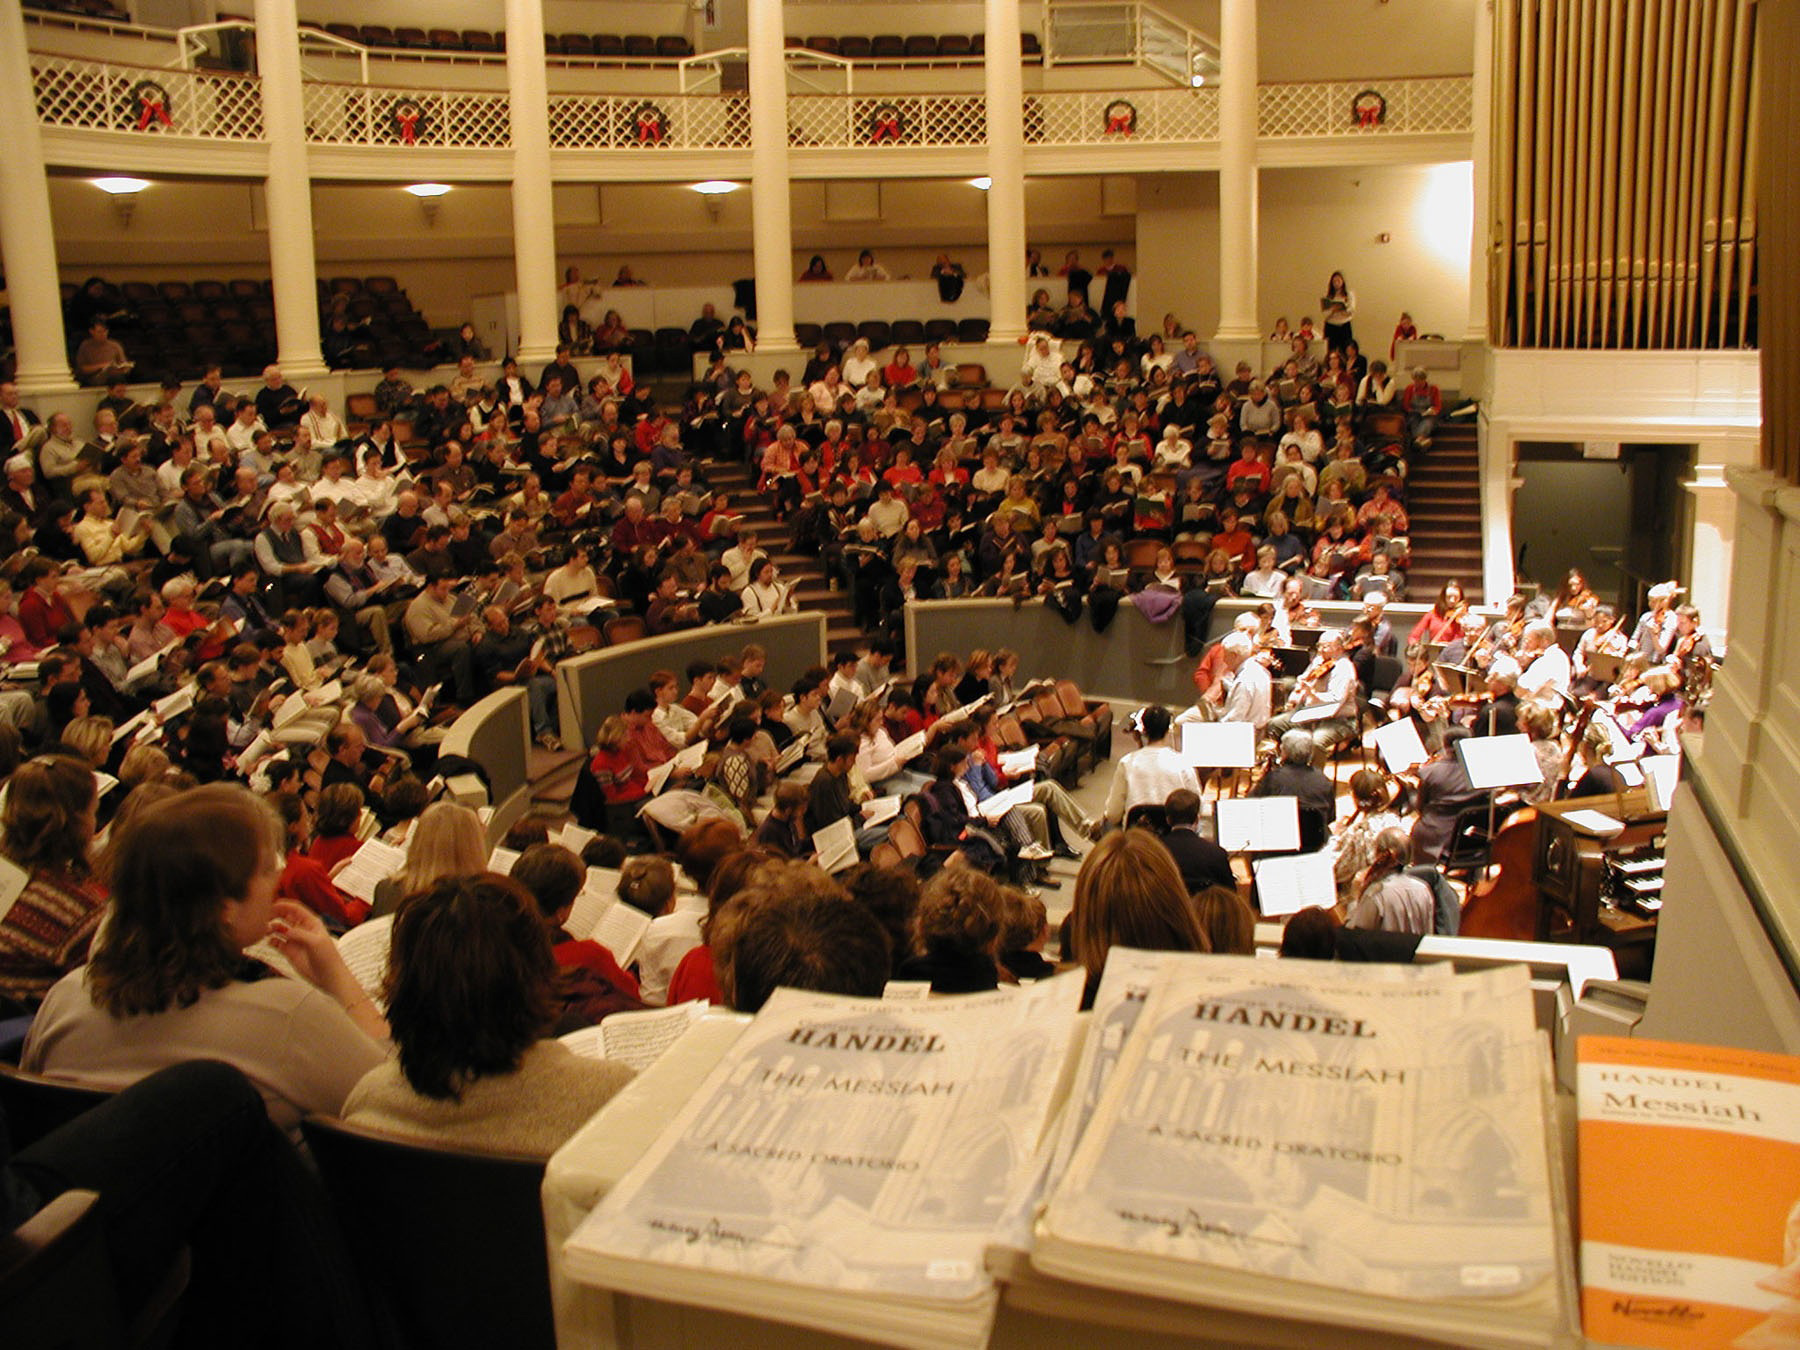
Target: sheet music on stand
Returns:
[[1499, 761], [1319, 712], [1258, 824], [1660, 774], [1291, 884], [1219, 745], [1399, 745], [1459, 679]]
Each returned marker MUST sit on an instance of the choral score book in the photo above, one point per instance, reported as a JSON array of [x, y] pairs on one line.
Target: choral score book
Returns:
[[1284, 1140], [843, 1166], [1690, 1195]]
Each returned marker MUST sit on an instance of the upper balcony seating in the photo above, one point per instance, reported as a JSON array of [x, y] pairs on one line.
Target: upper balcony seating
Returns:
[[643, 47]]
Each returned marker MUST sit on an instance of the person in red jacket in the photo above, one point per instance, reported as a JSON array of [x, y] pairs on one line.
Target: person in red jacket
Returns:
[[305, 879], [42, 611]]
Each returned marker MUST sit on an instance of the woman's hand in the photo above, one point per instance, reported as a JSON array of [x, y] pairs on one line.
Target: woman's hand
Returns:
[[299, 935]]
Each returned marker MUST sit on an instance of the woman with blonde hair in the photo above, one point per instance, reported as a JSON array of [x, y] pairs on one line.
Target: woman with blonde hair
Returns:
[[90, 738], [1128, 893], [448, 841], [47, 831]]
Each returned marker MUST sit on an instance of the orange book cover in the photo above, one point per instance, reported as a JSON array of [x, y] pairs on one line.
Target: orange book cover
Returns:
[[1690, 1195]]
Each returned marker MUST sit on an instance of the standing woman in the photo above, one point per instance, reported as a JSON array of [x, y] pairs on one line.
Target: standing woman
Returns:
[[1339, 304], [48, 830]]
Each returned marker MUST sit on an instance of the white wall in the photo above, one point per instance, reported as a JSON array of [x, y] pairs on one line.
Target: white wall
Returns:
[[189, 230], [1417, 270]]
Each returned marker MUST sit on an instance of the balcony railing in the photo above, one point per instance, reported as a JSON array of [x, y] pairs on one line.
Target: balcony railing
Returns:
[[146, 100], [363, 114], [649, 124]]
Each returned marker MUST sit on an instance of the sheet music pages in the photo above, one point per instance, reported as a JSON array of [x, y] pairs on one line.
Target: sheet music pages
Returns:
[[640, 1038], [373, 863], [835, 845], [1293, 1133], [878, 809], [1289, 885], [911, 748], [1000, 803], [574, 838], [501, 860], [1219, 745], [598, 894], [1499, 761], [1258, 824], [1399, 745], [620, 929], [1019, 763], [13, 880], [365, 951], [846, 1157]]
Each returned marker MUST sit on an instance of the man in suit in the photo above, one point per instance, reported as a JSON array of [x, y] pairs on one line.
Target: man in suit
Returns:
[[16, 421], [21, 493], [1296, 777], [1201, 862], [1444, 793]]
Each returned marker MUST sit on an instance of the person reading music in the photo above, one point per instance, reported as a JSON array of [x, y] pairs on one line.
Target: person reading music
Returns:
[[1329, 682]]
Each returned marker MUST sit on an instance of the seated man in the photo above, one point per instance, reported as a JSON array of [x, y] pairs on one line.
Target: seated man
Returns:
[[1294, 776], [1201, 862], [508, 656], [440, 638]]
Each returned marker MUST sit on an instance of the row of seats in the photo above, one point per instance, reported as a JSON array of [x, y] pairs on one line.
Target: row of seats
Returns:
[[916, 47], [91, 9], [878, 333], [482, 41], [643, 47]]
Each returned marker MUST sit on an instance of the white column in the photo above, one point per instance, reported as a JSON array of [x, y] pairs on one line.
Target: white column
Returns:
[[293, 274], [772, 228], [534, 213], [1238, 319], [27, 238], [1480, 134], [1005, 90], [1713, 534]]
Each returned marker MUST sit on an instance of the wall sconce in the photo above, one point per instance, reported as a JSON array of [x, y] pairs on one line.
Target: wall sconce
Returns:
[[713, 193], [429, 195], [984, 183], [124, 194]]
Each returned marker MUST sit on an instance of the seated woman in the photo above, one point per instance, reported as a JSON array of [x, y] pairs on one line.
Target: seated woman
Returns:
[[471, 993], [194, 881], [447, 841], [1128, 894], [1388, 899], [955, 929], [47, 832]]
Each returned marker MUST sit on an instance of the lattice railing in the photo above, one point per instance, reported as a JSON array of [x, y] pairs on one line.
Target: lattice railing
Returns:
[[841, 121], [147, 100], [1140, 116], [1365, 108], [360, 114], [661, 121]]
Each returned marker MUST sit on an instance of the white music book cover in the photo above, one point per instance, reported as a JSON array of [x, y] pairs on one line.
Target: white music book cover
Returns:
[[844, 1164], [1289, 885], [1499, 761], [1287, 1138], [1258, 824], [1219, 745]]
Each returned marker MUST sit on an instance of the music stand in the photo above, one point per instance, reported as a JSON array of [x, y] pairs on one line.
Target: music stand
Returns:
[[1495, 762], [1218, 745]]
